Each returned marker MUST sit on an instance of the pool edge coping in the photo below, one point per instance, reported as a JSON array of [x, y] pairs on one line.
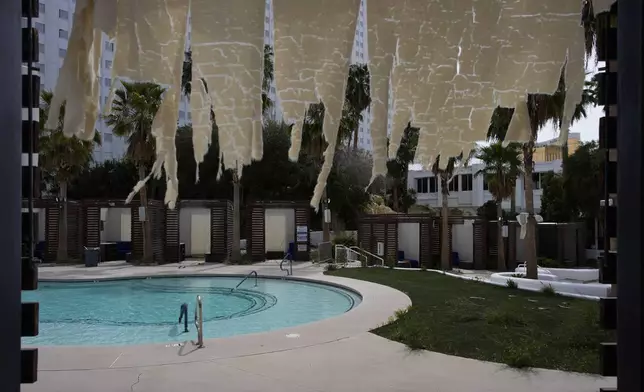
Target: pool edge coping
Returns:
[[378, 304]]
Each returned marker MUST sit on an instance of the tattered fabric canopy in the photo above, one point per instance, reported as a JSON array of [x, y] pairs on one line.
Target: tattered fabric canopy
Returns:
[[444, 65]]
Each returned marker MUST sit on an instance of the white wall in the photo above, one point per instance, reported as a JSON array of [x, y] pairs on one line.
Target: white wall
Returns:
[[409, 240], [477, 196], [279, 228], [463, 240], [118, 225], [194, 230]]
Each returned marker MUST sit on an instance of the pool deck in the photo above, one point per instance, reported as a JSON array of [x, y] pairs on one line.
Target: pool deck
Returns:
[[334, 355]]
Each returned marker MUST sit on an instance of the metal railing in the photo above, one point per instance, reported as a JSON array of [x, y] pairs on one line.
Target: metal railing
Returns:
[[345, 255], [366, 253], [251, 273], [199, 322], [287, 257]]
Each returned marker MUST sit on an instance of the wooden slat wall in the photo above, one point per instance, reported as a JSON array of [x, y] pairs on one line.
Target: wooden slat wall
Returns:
[[480, 244], [228, 228], [157, 223], [92, 227], [218, 237], [425, 243], [436, 237], [302, 218], [492, 242], [256, 241], [364, 235], [172, 250], [74, 231], [378, 234], [137, 235], [51, 233], [391, 242]]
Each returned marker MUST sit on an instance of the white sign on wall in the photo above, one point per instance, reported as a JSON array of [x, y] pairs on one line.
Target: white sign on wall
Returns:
[[302, 234]]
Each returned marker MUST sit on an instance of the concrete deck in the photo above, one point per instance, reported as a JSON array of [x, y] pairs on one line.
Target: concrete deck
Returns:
[[336, 354]]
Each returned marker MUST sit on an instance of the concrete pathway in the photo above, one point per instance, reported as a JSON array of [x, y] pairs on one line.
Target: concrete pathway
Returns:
[[334, 355]]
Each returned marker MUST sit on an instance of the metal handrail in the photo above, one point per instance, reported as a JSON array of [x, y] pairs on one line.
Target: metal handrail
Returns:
[[247, 276], [199, 321], [364, 252], [290, 259]]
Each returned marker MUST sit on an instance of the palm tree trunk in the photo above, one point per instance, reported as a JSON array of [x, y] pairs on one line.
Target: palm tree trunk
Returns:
[[146, 226], [531, 226], [446, 265], [236, 251], [355, 138], [513, 204], [61, 253], [500, 243]]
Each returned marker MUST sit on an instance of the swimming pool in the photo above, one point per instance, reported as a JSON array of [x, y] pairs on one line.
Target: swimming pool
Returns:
[[139, 311]]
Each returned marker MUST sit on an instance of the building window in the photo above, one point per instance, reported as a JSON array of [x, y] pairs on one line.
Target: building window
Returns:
[[466, 180], [422, 185], [62, 52], [40, 27], [41, 8], [108, 64], [536, 180], [453, 185], [62, 14], [41, 48], [107, 137], [108, 82], [182, 115], [433, 185], [63, 34], [109, 46], [485, 185]]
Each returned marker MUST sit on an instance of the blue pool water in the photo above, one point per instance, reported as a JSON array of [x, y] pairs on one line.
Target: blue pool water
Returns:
[[137, 311]]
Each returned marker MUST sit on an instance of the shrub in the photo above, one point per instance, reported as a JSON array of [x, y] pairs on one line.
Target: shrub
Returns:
[[511, 284], [331, 267], [548, 263], [344, 239], [548, 290]]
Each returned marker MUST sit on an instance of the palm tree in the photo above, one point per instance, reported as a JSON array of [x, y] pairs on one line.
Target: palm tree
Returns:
[[445, 176], [133, 111], [502, 166], [357, 97], [543, 109], [398, 168], [267, 80], [313, 145], [62, 159]]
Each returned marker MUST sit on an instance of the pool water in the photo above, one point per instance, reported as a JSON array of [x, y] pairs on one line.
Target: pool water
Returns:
[[138, 311]]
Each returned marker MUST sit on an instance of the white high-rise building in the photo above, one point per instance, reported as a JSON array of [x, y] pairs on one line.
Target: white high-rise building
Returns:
[[55, 24], [360, 55], [54, 27]]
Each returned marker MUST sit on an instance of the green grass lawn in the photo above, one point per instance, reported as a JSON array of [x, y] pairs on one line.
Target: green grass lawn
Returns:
[[498, 324]]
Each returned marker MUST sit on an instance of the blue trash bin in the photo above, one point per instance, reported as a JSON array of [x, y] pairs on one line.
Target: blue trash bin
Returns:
[[291, 250], [455, 259]]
